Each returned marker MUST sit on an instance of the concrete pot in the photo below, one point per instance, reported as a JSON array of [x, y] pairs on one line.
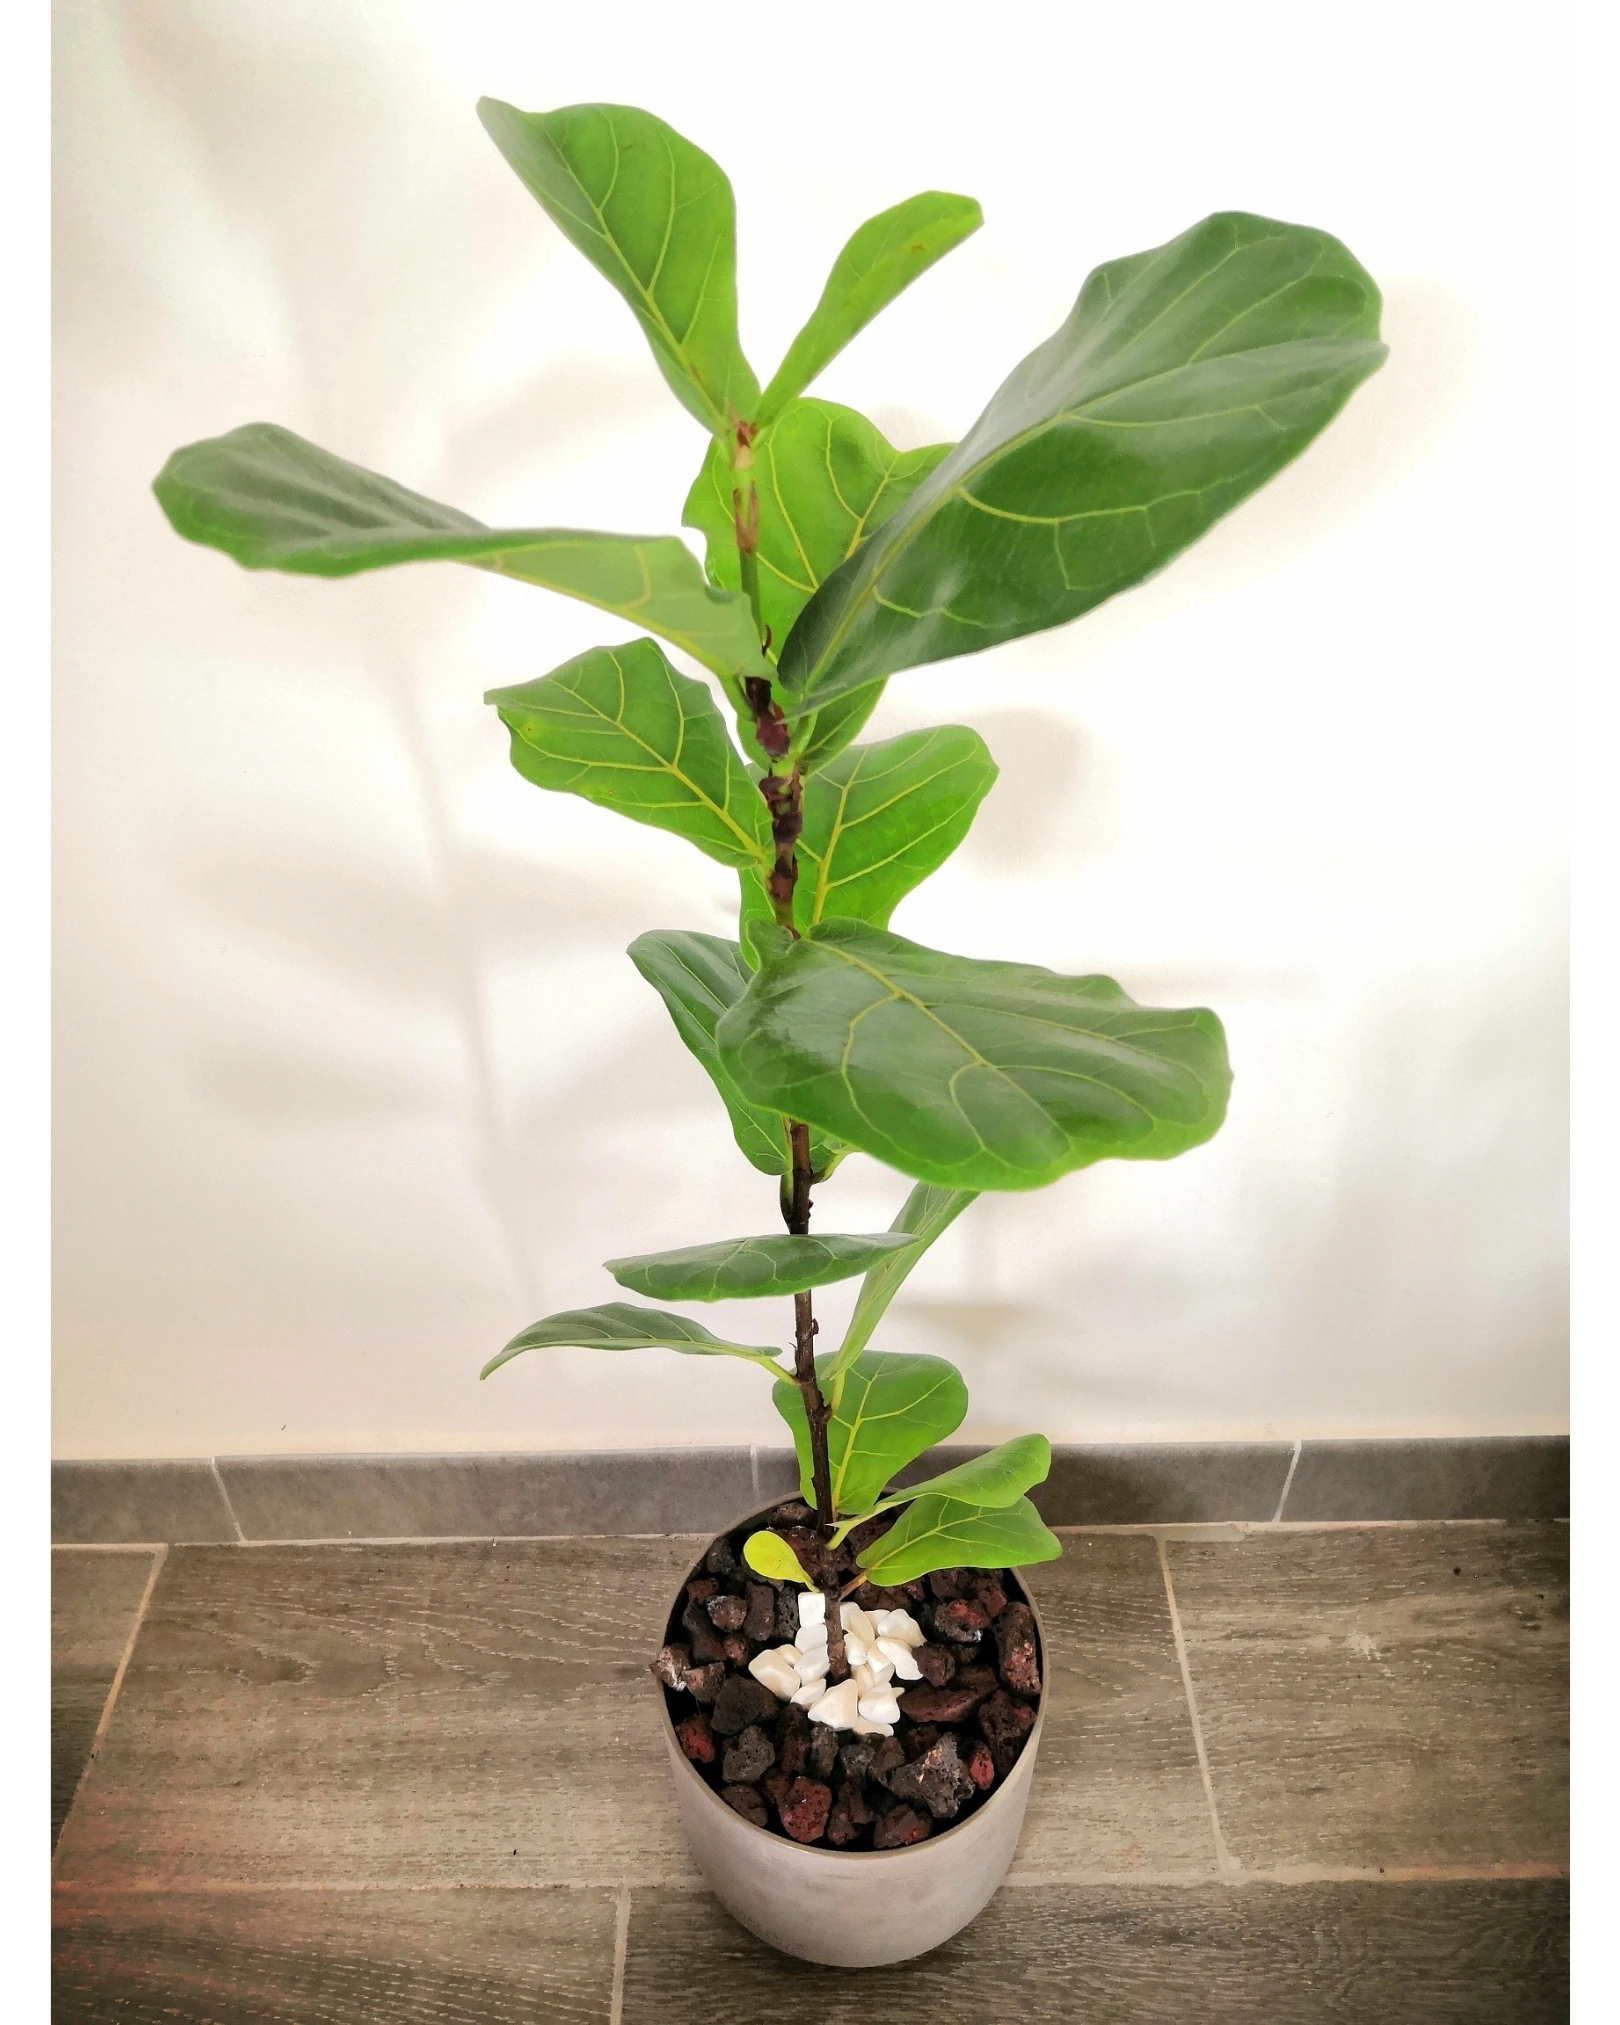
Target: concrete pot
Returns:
[[854, 1908]]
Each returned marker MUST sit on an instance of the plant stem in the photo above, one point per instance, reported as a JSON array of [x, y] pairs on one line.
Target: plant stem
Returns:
[[817, 1413]]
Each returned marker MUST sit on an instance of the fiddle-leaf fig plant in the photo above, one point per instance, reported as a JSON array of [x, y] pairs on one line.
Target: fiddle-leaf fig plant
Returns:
[[1183, 379]]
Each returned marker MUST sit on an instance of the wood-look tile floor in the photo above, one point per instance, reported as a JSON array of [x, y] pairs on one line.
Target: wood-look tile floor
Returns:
[[1288, 1773]]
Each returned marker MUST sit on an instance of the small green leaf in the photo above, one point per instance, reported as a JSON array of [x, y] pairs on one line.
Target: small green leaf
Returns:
[[656, 216], [925, 1215], [891, 1407], [998, 1477], [621, 727], [825, 478], [618, 1326], [768, 1554], [1183, 379], [699, 977], [740, 1269], [272, 501], [822, 734], [944, 1533], [885, 256], [966, 1073]]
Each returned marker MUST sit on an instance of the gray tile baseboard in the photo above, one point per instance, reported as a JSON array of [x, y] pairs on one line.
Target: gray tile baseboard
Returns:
[[390, 1497]]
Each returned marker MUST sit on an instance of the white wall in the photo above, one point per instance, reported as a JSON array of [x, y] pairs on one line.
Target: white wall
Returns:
[[353, 1076]]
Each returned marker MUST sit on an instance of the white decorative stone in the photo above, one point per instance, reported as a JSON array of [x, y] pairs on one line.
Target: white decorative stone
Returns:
[[813, 1608], [899, 1658], [812, 1638], [812, 1665], [899, 1624], [863, 1728], [808, 1695], [855, 1648], [838, 1707], [883, 1707], [777, 1670], [854, 1619]]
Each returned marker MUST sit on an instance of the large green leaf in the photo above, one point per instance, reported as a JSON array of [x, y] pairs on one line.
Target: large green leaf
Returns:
[[273, 501], [746, 1268], [878, 819], [943, 1533], [822, 734], [618, 1326], [925, 1215], [1183, 379], [621, 727], [998, 1477], [699, 977], [967, 1073], [885, 256], [656, 216], [890, 1409], [825, 477]]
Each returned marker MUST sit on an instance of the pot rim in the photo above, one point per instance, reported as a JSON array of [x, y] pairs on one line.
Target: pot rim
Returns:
[[809, 1849]]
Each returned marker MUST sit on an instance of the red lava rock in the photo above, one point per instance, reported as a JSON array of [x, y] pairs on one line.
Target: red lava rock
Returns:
[[823, 1755], [701, 1589], [860, 1537], [888, 1754], [721, 1559], [793, 1513], [1015, 1641], [1004, 1724], [727, 1613], [850, 1814], [804, 1812], [736, 1649], [900, 1827], [937, 1664], [918, 1738], [990, 1597], [703, 1683], [759, 1613], [981, 1767], [793, 1742], [696, 1737], [946, 1583], [776, 1786], [938, 1779], [962, 1621], [747, 1803], [856, 1760], [742, 1700], [953, 1703], [748, 1757], [673, 1665], [706, 1641], [806, 1543], [787, 1616]]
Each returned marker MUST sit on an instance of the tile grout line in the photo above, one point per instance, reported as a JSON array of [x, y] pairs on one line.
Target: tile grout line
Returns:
[[621, 1950], [225, 1497], [108, 1705], [1225, 1864], [1288, 1483]]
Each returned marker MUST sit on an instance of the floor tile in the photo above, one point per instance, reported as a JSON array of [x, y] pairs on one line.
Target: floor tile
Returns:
[[1357, 1954], [351, 1958], [1117, 1786], [1383, 1696], [468, 1713], [94, 1598]]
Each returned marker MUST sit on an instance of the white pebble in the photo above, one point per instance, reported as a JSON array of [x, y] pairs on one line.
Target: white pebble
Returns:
[[812, 1665], [777, 1671], [838, 1707], [812, 1638], [898, 1654], [853, 1618], [879, 1708], [898, 1624], [856, 1650], [812, 1692], [812, 1607], [863, 1728]]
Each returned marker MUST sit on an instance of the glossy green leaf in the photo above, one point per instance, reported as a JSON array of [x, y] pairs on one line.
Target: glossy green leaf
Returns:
[[825, 478], [621, 727], [998, 1477], [737, 1269], [618, 1326], [927, 1213], [272, 501], [967, 1073], [944, 1533], [885, 256], [820, 735], [768, 1554], [656, 216], [699, 977], [891, 1407], [1183, 379]]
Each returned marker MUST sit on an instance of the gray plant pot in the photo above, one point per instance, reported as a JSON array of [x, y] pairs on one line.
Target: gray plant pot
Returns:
[[854, 1908]]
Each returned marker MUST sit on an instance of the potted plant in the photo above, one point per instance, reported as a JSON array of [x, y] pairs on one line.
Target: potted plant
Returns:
[[852, 1682]]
